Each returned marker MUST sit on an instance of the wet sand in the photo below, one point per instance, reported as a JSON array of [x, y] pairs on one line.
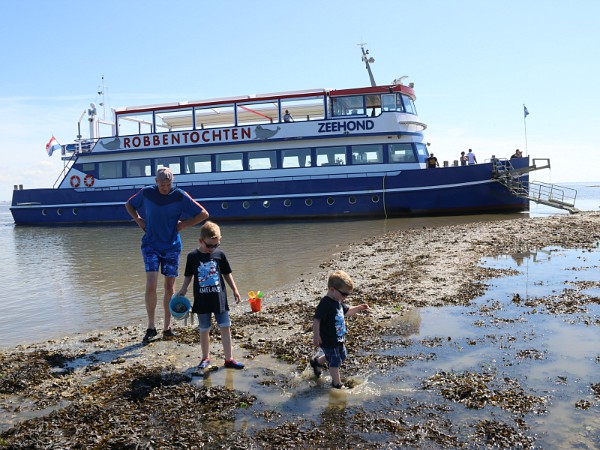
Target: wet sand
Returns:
[[105, 389]]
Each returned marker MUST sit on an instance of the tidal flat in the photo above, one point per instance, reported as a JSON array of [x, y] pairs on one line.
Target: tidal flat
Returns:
[[479, 335]]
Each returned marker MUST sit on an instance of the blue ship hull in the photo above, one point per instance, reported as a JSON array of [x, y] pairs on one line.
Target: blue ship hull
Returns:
[[442, 191]]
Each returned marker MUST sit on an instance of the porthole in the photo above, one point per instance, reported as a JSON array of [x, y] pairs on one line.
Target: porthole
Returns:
[[224, 205], [308, 202], [246, 205], [75, 211], [330, 201], [287, 202], [375, 199], [59, 212], [352, 200], [266, 204], [44, 212]]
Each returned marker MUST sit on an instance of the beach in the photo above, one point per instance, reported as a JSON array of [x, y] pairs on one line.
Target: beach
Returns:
[[106, 390]]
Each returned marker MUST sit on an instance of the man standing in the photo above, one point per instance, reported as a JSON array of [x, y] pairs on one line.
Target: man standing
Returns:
[[471, 156], [162, 206], [432, 162]]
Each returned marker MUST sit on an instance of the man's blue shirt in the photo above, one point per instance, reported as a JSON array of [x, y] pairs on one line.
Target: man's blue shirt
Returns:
[[161, 213]]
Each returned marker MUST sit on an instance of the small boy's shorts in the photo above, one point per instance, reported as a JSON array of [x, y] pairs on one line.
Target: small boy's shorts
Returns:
[[335, 356], [205, 320]]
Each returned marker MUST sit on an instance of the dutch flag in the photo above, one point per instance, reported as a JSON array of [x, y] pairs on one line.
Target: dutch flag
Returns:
[[52, 145]]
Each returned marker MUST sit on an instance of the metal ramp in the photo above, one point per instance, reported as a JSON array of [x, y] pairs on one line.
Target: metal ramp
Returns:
[[553, 195]]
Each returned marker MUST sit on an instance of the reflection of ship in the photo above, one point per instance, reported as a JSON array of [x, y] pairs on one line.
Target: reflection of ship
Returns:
[[531, 255], [348, 153], [406, 324]]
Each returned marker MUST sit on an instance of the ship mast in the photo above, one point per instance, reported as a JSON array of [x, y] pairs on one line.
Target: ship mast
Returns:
[[367, 60]]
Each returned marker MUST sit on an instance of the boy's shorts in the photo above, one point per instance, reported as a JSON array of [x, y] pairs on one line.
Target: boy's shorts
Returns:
[[205, 320], [167, 261], [335, 356]]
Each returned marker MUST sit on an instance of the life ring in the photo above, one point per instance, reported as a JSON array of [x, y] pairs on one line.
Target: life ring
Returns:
[[88, 180], [75, 181]]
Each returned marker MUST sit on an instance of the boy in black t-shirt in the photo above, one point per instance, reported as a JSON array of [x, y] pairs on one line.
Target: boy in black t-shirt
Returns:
[[329, 326], [208, 266]]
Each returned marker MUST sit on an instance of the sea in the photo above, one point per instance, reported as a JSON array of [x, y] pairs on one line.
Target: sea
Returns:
[[62, 281]]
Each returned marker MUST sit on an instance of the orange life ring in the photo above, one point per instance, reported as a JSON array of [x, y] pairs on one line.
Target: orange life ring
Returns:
[[88, 180], [75, 181]]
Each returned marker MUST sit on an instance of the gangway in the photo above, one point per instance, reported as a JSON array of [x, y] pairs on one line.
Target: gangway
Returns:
[[543, 193]]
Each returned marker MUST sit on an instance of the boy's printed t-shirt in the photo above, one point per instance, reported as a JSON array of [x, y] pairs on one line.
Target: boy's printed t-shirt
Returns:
[[208, 269], [332, 324], [161, 213]]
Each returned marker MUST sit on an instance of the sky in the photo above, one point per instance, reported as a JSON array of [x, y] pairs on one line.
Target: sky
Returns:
[[474, 65]]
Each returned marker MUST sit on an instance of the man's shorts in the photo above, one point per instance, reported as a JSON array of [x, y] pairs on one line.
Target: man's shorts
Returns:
[[205, 320], [335, 356], [168, 262]]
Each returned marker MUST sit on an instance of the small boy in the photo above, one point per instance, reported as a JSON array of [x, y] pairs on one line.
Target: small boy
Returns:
[[208, 266], [329, 327]]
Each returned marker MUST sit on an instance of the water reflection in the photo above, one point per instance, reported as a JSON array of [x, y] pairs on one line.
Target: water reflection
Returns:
[[64, 280]]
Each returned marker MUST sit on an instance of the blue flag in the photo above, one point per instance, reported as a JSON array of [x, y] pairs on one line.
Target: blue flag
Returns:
[[525, 112]]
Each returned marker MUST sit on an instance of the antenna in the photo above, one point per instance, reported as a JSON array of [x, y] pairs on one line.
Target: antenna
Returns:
[[367, 60], [101, 94]]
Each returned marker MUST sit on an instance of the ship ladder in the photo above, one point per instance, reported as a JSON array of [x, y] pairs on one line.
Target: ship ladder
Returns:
[[560, 197]]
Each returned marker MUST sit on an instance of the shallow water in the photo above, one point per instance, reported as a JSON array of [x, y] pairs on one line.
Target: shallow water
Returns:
[[554, 356], [550, 356], [60, 281], [493, 340]]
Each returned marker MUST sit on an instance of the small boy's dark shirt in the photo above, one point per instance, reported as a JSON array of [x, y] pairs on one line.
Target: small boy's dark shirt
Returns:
[[332, 326], [208, 269]]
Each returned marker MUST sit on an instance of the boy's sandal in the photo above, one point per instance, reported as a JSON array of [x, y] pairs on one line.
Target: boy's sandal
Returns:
[[204, 363], [338, 386]]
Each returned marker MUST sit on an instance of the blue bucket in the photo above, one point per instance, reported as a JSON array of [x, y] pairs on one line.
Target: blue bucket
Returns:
[[179, 307]]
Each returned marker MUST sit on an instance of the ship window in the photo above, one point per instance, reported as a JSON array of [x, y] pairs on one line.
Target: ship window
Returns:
[[246, 204], [175, 120], [224, 205], [409, 105], [308, 202], [348, 106], [216, 116], [262, 160], [112, 169], [138, 168], [173, 163], [88, 167], [287, 203], [331, 156], [266, 204], [140, 123], [308, 108], [228, 162], [256, 113], [422, 151], [373, 105], [330, 201], [389, 102], [352, 200], [375, 199], [401, 153], [298, 157], [197, 164], [367, 154], [399, 105]]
